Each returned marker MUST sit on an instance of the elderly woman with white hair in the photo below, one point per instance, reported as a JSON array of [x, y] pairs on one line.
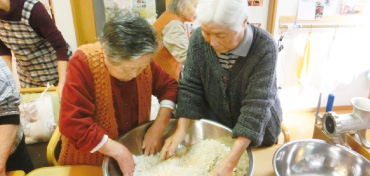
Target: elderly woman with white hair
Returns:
[[229, 78], [173, 36]]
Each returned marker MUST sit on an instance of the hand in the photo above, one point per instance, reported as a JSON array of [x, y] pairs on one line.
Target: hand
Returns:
[[171, 144], [62, 69], [126, 162], [152, 141], [225, 168], [121, 154]]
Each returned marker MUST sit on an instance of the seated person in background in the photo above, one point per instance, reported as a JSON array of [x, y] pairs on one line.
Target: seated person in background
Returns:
[[13, 151], [226, 83], [171, 31], [108, 92], [27, 29]]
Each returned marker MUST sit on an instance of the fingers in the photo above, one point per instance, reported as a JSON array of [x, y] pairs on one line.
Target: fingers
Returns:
[[168, 150], [171, 150], [150, 149], [165, 150]]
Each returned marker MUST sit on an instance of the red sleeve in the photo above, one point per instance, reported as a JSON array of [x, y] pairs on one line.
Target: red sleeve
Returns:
[[164, 86], [4, 50], [77, 107], [44, 26]]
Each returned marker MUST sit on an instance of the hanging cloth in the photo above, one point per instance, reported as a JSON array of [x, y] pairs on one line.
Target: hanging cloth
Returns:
[[303, 66]]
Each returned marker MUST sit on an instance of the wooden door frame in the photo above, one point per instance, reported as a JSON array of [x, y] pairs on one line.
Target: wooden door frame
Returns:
[[84, 21], [271, 18]]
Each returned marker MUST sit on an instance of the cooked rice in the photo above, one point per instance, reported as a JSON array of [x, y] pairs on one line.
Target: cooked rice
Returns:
[[201, 160]]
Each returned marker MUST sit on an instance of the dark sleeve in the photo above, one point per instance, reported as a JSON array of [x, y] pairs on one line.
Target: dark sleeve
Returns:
[[44, 26], [261, 93], [10, 119], [164, 86], [191, 97], [77, 105], [4, 50]]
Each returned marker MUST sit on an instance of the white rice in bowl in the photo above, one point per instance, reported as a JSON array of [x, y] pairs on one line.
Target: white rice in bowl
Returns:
[[201, 159]]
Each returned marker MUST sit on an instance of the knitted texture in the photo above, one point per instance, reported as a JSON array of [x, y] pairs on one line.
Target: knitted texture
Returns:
[[104, 114], [163, 57], [243, 98]]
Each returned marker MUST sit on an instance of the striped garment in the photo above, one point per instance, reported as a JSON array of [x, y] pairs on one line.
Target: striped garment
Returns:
[[9, 98], [227, 60], [36, 58]]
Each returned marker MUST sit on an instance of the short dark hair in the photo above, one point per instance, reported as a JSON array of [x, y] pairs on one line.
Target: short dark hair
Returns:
[[127, 36]]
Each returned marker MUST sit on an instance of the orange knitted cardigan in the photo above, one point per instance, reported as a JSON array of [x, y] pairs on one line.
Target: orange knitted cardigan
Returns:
[[163, 57], [104, 115]]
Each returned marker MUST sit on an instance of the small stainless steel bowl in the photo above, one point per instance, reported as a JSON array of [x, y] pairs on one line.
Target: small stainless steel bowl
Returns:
[[315, 157], [198, 130]]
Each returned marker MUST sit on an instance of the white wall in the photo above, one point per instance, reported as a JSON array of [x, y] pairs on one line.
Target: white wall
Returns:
[[64, 21], [344, 73], [258, 14]]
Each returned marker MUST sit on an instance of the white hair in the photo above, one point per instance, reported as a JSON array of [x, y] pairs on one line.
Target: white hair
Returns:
[[231, 13]]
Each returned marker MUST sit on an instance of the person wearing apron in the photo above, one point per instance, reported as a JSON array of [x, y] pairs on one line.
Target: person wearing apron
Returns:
[[41, 53]]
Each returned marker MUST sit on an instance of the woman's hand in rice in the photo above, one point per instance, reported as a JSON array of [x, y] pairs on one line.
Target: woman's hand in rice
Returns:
[[152, 141], [174, 140], [121, 154], [171, 144], [225, 168], [126, 162]]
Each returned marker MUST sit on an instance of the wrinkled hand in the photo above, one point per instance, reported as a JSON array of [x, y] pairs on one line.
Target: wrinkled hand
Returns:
[[225, 168], [171, 144], [152, 141], [126, 162]]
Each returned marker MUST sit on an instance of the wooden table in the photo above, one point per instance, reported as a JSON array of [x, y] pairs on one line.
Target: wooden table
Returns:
[[75, 170], [263, 160]]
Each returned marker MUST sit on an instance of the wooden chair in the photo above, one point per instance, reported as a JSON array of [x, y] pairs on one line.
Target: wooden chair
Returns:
[[38, 152], [51, 151]]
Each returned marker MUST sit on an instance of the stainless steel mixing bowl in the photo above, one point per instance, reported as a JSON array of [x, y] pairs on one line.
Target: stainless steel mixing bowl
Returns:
[[313, 157], [198, 130]]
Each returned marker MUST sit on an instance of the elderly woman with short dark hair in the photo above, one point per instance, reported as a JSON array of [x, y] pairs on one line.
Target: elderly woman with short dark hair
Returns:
[[108, 93], [172, 33]]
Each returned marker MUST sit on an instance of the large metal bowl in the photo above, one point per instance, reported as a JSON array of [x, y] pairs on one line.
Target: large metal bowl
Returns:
[[318, 158], [198, 130]]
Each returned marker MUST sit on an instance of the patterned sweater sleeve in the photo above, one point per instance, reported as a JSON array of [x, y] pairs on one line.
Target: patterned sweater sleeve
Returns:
[[9, 94], [191, 97], [77, 105], [256, 111]]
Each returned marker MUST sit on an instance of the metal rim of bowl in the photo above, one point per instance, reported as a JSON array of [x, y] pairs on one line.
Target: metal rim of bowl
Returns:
[[314, 141], [249, 150]]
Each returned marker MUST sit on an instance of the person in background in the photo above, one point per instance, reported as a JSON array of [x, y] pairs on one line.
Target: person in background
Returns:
[[172, 33], [13, 151], [108, 92], [229, 78], [27, 30]]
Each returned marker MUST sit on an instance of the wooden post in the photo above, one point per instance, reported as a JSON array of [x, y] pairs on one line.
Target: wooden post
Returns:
[[84, 21]]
